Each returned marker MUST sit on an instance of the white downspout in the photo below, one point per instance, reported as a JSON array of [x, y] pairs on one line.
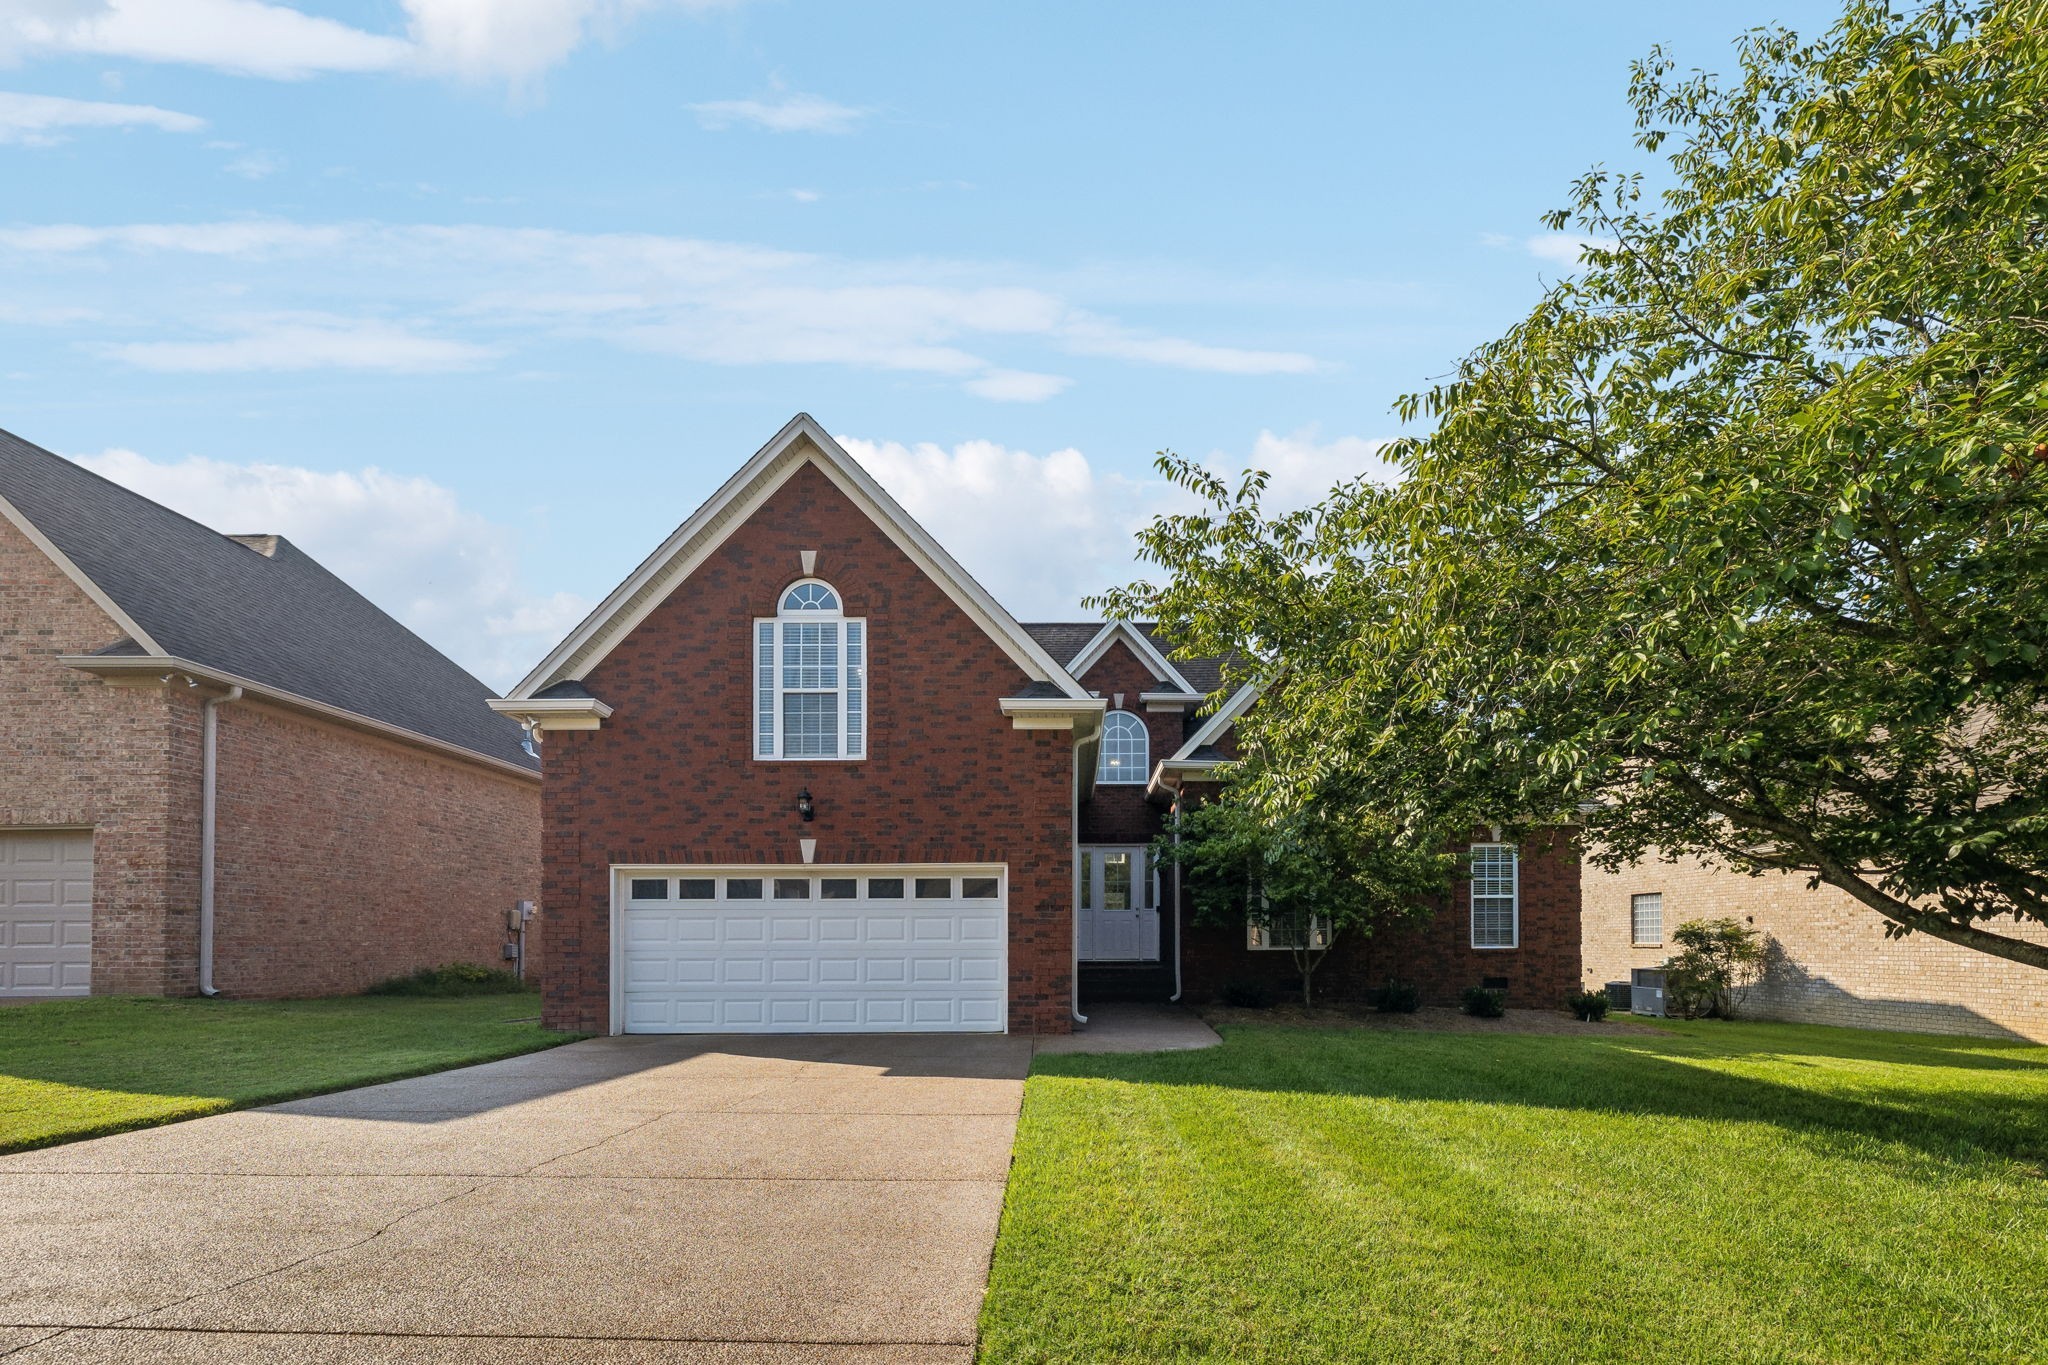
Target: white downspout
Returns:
[[209, 764], [1174, 999], [1074, 886]]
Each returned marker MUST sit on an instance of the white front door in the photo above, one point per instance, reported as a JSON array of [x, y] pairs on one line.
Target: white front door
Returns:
[[45, 913], [812, 950], [1119, 915]]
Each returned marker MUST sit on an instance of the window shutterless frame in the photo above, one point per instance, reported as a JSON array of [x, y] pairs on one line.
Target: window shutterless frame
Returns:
[[1496, 896], [810, 679]]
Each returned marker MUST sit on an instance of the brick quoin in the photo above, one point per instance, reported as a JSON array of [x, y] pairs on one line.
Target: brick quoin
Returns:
[[342, 857], [671, 777]]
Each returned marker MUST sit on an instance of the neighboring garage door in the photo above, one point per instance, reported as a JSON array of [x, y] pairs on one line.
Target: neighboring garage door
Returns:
[[807, 950], [45, 913]]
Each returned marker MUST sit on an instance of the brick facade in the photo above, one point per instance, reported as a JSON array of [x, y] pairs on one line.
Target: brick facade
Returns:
[[1436, 956], [670, 777], [330, 839], [1827, 959]]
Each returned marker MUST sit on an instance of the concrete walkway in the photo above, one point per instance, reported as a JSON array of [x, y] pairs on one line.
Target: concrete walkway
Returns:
[[623, 1199], [1135, 1028]]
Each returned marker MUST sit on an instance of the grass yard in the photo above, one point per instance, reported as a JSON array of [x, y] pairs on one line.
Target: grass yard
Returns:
[[79, 1068], [1712, 1192]]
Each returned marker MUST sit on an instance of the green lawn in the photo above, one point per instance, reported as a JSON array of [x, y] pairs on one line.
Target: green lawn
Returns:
[[78, 1068], [1713, 1192]]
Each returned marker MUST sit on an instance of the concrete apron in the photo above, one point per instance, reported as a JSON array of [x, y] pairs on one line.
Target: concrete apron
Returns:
[[623, 1199]]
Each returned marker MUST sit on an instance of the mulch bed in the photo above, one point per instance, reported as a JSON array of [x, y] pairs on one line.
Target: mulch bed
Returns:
[[1430, 1018]]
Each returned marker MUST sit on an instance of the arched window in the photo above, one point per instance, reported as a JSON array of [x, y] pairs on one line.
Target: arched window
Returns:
[[1126, 749], [810, 677]]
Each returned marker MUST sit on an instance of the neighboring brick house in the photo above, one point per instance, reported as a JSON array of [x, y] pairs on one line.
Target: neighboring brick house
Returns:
[[358, 812], [803, 774], [1827, 960]]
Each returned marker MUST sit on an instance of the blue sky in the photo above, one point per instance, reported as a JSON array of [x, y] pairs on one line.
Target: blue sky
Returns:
[[477, 299]]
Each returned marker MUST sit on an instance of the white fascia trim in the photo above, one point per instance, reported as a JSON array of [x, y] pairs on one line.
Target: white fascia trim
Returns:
[[554, 713], [77, 575], [1147, 652], [708, 527], [1167, 769], [103, 664], [1184, 698], [1226, 716], [1055, 713]]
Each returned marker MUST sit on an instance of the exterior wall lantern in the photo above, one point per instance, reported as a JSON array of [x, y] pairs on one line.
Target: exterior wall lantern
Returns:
[[804, 805]]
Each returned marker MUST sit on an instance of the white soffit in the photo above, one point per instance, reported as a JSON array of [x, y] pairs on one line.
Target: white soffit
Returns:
[[799, 442]]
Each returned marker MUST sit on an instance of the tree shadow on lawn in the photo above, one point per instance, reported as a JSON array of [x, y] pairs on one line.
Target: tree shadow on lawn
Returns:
[[1828, 1093]]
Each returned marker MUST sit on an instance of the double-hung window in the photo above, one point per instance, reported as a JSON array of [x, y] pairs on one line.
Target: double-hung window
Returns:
[[810, 678], [1496, 896]]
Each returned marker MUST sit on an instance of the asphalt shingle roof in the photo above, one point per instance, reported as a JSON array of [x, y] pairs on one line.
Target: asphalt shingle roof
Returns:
[[1064, 639], [276, 618]]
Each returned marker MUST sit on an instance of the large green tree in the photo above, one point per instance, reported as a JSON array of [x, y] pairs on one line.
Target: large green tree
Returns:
[[1738, 543]]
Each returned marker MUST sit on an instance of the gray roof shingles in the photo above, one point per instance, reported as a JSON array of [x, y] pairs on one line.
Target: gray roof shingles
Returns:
[[279, 619]]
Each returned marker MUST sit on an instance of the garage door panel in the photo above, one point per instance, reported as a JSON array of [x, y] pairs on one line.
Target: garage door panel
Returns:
[[45, 913], [864, 964]]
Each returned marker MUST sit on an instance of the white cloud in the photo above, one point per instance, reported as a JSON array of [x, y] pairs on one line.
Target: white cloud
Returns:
[[719, 303], [1303, 469], [405, 542], [509, 40], [1094, 336], [1017, 386], [1565, 248], [783, 114], [1038, 531], [306, 343], [39, 120], [255, 165], [247, 37]]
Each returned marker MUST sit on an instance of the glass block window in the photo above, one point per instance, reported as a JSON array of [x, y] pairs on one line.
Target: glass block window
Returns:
[[697, 889], [1126, 749], [792, 888], [978, 888], [743, 888], [1496, 896], [885, 888], [648, 889], [837, 888], [810, 678], [1646, 919], [934, 888]]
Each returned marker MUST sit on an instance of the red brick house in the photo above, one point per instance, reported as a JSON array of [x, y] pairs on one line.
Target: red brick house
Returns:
[[224, 771], [803, 774]]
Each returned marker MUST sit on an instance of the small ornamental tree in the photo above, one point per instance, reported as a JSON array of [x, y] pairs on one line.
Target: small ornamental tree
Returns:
[[1306, 880], [1715, 958]]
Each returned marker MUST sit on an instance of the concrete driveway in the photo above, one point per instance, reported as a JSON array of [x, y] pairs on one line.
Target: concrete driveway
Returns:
[[623, 1199]]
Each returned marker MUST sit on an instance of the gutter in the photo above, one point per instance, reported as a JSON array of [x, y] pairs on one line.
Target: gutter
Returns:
[[209, 820], [1174, 999], [1074, 887]]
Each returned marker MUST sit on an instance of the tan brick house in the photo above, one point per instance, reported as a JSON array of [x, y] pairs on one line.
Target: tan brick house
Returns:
[[223, 770], [1827, 960], [803, 774]]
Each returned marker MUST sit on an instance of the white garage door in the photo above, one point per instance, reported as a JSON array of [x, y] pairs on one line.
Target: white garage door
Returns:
[[810, 950], [45, 913]]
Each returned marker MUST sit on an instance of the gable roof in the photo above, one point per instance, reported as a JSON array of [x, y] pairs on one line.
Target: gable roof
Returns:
[[1068, 641], [800, 442], [252, 608]]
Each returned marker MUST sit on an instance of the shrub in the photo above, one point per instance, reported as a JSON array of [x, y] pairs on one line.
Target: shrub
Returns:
[[1590, 1006], [1396, 997], [1715, 957], [1248, 995], [1483, 1003], [454, 978]]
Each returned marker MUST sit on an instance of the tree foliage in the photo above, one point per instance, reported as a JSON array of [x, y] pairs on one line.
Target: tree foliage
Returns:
[[1309, 878], [1738, 542]]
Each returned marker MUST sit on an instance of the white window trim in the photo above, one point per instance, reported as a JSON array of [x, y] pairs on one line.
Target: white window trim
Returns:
[[842, 693], [1472, 906], [1258, 938], [1141, 773]]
